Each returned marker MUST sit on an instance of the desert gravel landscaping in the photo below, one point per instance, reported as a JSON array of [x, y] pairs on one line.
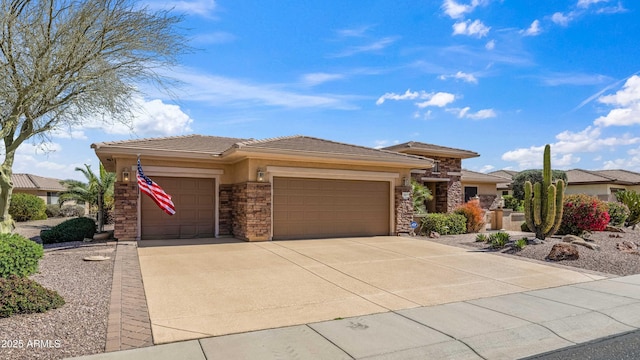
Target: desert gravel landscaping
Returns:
[[79, 327], [608, 259]]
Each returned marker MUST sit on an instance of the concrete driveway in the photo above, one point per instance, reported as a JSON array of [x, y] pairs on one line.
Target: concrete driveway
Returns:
[[224, 287]]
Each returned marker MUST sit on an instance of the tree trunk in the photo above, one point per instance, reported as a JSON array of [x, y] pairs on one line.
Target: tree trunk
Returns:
[[100, 212], [6, 189]]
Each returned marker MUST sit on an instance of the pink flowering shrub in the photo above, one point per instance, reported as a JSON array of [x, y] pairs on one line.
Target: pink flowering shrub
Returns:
[[583, 213]]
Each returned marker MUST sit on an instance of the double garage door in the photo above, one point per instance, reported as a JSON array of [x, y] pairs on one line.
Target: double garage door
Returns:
[[195, 201], [322, 208], [302, 209]]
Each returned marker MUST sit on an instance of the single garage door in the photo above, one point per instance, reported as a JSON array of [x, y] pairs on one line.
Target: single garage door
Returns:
[[321, 208], [195, 205]]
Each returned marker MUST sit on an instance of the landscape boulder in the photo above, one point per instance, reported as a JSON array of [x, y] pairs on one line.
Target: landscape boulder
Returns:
[[563, 251], [572, 239], [628, 247]]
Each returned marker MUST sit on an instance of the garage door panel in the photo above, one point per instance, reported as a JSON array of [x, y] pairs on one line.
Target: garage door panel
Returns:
[[195, 201], [329, 208]]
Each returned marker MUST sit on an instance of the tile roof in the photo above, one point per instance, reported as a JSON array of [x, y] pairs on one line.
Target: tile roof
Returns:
[[623, 177], [188, 143], [507, 174], [222, 146], [34, 182], [432, 150], [468, 175], [308, 144]]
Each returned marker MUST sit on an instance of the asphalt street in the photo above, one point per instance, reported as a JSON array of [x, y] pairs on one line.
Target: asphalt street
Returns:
[[620, 347]]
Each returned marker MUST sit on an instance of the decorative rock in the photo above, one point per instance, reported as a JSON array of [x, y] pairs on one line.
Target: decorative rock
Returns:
[[434, 235], [615, 236], [586, 244], [535, 241], [571, 238], [96, 258], [627, 247], [563, 251], [614, 229]]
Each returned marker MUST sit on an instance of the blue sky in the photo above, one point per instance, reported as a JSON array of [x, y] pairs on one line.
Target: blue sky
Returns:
[[502, 78]]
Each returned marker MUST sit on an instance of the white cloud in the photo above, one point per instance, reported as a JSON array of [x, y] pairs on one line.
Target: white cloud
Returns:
[[149, 118], [490, 45], [586, 3], [204, 8], [475, 28], [479, 115], [533, 30], [408, 95], [470, 78], [486, 168], [456, 10], [532, 157], [217, 90], [372, 47], [314, 79], [384, 143], [627, 105], [218, 37], [574, 79], [354, 32], [631, 163], [439, 99], [568, 144], [562, 19]]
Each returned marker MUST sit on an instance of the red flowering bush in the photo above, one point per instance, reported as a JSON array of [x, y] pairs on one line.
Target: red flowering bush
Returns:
[[583, 213], [474, 214]]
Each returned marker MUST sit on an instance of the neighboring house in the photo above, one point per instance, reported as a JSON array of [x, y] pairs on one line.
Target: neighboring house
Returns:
[[48, 189], [504, 188], [283, 188], [481, 185], [601, 183], [444, 179]]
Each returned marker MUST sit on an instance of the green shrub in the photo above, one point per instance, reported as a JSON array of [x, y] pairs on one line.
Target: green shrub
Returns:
[[53, 211], [444, 224], [524, 227], [481, 238], [20, 295], [474, 215], [72, 210], [618, 213], [25, 207], [512, 203], [498, 240], [71, 230], [583, 213], [18, 255], [630, 198], [520, 244]]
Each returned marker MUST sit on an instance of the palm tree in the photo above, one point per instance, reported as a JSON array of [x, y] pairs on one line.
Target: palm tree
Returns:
[[421, 194], [97, 192]]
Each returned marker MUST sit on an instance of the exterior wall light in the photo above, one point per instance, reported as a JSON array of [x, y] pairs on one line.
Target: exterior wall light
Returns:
[[260, 175], [406, 181], [125, 176]]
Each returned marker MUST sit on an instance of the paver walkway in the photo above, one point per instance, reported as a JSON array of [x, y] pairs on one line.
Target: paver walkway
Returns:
[[128, 326]]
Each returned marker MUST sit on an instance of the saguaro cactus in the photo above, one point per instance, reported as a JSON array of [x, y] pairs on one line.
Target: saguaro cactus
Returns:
[[543, 202]]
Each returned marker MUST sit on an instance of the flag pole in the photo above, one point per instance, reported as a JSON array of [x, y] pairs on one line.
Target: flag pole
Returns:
[[138, 205]]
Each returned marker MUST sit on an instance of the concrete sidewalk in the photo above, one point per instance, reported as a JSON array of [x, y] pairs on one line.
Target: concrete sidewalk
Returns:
[[507, 326]]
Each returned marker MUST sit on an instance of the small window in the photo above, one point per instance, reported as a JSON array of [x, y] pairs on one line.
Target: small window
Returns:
[[52, 198], [469, 192], [436, 167], [505, 192]]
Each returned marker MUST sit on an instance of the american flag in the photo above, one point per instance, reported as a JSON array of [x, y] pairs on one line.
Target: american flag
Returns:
[[155, 192]]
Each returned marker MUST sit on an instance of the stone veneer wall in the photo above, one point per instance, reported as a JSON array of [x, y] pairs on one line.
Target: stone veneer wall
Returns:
[[125, 210], [487, 201], [403, 210], [251, 211], [225, 220], [449, 194]]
